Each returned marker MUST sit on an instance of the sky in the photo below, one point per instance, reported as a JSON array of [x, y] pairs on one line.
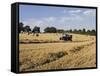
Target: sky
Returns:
[[60, 17]]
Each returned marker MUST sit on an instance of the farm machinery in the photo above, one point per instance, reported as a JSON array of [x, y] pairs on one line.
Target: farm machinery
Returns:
[[66, 37]]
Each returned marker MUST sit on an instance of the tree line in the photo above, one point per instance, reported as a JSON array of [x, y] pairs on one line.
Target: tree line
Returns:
[[27, 28], [77, 31], [83, 31], [36, 29]]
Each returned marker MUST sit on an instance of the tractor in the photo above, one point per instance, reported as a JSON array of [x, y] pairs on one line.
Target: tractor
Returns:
[[66, 37]]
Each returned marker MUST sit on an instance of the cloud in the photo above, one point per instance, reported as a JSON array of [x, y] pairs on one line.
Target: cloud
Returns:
[[33, 22], [71, 18], [49, 19], [65, 21], [72, 11], [89, 13], [42, 23], [75, 11]]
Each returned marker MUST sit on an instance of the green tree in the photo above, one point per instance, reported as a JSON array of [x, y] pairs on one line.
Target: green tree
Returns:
[[88, 31], [50, 30], [84, 30], [75, 31], [60, 30], [70, 30], [20, 27], [79, 30], [36, 29], [27, 29], [93, 31]]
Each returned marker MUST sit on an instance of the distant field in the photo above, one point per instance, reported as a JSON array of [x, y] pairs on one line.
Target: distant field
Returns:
[[47, 52], [52, 37]]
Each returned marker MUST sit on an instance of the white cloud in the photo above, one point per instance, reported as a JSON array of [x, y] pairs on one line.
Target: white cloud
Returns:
[[71, 18], [74, 17], [72, 11], [75, 11], [33, 22], [49, 19], [42, 23], [89, 12]]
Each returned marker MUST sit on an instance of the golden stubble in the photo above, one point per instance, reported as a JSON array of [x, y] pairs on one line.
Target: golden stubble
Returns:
[[56, 54]]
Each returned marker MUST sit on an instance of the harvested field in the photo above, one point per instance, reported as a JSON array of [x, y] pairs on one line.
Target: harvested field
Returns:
[[47, 52]]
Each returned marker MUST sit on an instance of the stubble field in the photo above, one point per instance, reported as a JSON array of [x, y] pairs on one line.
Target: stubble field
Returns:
[[47, 52]]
